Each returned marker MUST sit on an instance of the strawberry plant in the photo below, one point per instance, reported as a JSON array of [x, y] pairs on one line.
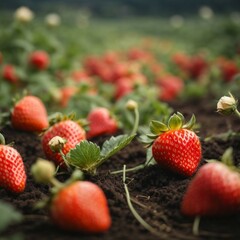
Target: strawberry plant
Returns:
[[64, 144]]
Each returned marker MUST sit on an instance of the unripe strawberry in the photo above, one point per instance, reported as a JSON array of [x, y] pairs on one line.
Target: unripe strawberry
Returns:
[[39, 60]]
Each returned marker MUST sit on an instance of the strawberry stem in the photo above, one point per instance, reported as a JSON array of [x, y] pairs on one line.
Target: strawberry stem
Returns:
[[57, 185], [133, 210], [131, 105], [136, 122], [133, 169], [237, 112], [2, 140], [196, 224], [141, 166], [65, 160]]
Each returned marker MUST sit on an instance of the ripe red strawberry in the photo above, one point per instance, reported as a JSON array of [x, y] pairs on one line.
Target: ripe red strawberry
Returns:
[[74, 205], [67, 93], [176, 147], [123, 87], [9, 73], [81, 206], [228, 69], [215, 190], [39, 60], [170, 87], [101, 122], [29, 114], [12, 172], [198, 66], [68, 129]]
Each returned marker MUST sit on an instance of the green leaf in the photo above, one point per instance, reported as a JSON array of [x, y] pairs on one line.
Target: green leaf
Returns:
[[115, 144], [8, 215], [157, 127], [84, 155], [175, 122], [145, 140]]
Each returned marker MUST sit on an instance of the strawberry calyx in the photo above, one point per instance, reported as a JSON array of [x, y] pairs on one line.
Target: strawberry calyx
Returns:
[[175, 122], [2, 140], [226, 159], [59, 117]]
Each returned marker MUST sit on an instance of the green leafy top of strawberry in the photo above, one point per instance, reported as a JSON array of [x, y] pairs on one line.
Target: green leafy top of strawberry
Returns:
[[175, 122], [227, 159], [59, 117]]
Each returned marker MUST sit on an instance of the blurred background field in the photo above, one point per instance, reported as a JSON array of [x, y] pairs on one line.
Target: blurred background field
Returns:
[[204, 35]]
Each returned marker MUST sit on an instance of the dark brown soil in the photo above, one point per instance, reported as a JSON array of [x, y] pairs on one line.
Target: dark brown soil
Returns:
[[156, 193]]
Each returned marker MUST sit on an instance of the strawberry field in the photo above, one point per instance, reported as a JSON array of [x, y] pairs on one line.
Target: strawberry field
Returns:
[[119, 128]]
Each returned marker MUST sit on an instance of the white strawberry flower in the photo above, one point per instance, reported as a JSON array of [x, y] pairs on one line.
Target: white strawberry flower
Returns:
[[206, 12], [23, 14], [57, 143], [227, 104], [53, 20]]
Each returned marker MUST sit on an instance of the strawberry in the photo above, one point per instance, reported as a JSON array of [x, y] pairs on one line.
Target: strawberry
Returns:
[[170, 87], [39, 60], [12, 172], [139, 54], [228, 69], [175, 146], [9, 73], [81, 206], [182, 60], [67, 93], [29, 114], [101, 122], [74, 205], [198, 66], [68, 129], [123, 87], [215, 190]]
